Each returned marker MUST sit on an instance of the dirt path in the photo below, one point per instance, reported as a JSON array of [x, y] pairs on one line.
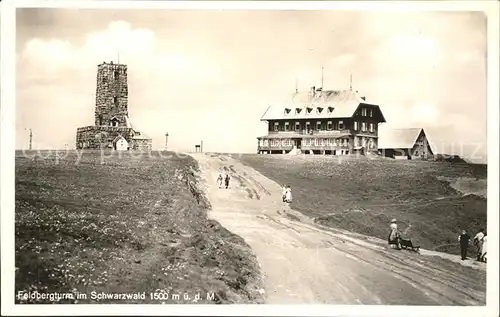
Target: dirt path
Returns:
[[303, 263]]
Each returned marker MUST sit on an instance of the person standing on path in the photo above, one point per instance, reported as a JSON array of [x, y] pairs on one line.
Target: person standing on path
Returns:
[[464, 240], [226, 179], [478, 241], [283, 195]]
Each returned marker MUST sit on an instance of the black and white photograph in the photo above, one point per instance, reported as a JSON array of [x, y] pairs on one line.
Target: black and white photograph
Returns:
[[238, 157]]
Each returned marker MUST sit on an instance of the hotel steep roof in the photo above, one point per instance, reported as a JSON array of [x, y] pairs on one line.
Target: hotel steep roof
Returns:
[[320, 105]]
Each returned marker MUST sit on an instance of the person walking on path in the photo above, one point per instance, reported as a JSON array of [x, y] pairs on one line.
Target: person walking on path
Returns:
[[484, 249], [394, 236], [283, 195], [478, 242], [219, 180], [226, 180], [464, 240], [288, 195]]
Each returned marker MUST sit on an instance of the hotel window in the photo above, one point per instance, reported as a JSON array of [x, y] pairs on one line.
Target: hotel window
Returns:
[[363, 112], [316, 142], [318, 125], [287, 126], [363, 126], [356, 126], [266, 142], [308, 126], [276, 126], [372, 127], [329, 125], [341, 125], [297, 126], [331, 141], [345, 142], [370, 112]]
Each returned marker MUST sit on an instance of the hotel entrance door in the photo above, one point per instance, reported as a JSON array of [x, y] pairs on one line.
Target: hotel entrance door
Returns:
[[297, 143]]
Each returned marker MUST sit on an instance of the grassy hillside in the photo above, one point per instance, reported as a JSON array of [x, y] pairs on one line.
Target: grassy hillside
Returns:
[[363, 195], [124, 224]]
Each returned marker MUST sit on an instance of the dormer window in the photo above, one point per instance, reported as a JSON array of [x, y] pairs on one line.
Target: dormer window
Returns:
[[319, 110], [298, 110], [114, 122], [287, 110], [363, 112], [370, 112], [330, 109], [309, 109]]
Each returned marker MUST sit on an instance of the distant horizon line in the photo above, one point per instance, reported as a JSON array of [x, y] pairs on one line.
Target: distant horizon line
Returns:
[[470, 161]]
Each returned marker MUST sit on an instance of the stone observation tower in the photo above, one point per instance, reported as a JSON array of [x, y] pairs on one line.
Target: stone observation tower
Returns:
[[112, 127]]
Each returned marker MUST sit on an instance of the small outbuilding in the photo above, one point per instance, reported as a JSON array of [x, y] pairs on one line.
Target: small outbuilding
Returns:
[[409, 143], [120, 143]]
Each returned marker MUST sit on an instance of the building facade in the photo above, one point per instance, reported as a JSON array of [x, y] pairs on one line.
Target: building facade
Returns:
[[327, 122], [409, 143], [112, 127]]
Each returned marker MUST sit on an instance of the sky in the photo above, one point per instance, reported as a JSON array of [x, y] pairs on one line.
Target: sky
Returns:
[[210, 75]]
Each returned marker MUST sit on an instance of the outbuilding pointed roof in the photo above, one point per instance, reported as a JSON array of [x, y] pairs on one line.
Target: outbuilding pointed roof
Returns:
[[398, 138], [118, 137]]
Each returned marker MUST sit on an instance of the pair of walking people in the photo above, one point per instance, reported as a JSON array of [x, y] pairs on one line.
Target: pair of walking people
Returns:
[[479, 240], [223, 181]]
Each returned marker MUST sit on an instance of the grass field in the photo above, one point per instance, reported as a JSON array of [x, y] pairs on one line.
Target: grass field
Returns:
[[124, 224], [430, 200]]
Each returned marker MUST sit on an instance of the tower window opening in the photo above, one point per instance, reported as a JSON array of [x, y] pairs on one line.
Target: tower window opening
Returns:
[[117, 74]]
